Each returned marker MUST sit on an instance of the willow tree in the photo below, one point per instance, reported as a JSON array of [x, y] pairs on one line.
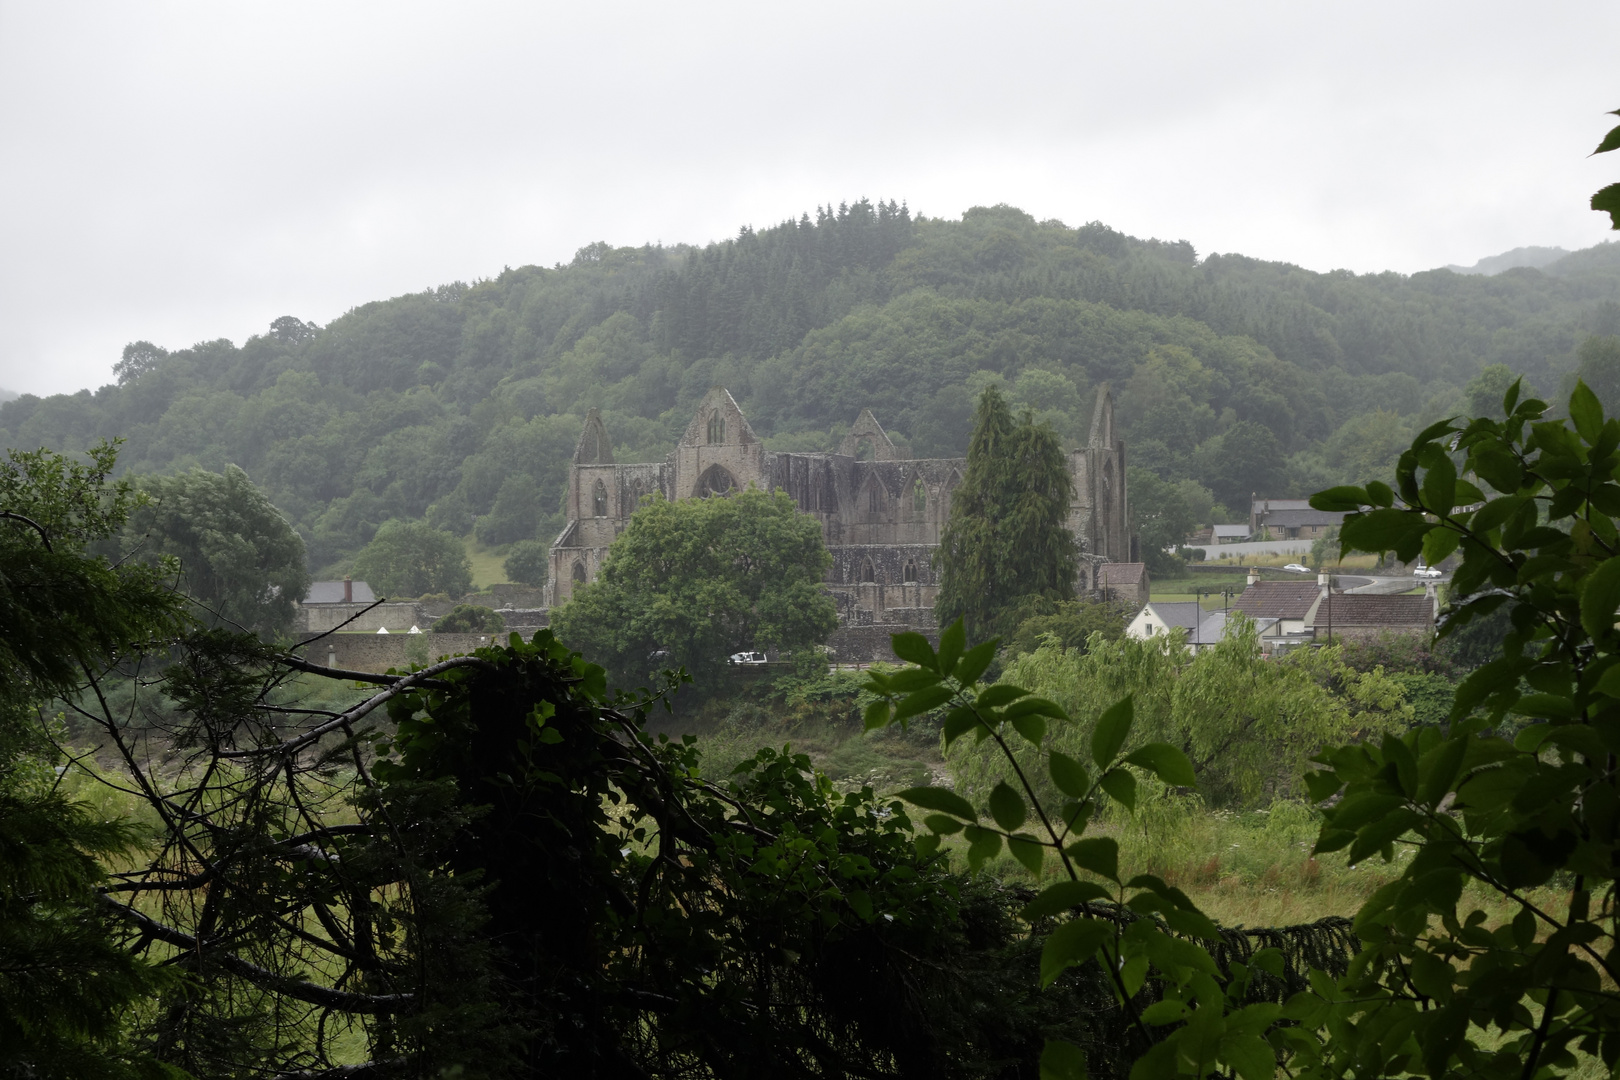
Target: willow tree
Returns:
[[1006, 541]]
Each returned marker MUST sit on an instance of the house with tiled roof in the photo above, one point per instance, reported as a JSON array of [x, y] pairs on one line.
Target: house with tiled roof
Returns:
[[1199, 628], [1360, 615], [1291, 519], [1291, 603]]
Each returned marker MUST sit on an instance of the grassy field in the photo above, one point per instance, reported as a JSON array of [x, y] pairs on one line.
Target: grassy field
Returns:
[[487, 564]]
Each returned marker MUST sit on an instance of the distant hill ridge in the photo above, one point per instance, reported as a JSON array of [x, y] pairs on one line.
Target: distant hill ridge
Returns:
[[1536, 258], [462, 405]]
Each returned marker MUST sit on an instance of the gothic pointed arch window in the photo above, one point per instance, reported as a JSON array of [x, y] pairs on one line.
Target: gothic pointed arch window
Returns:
[[874, 497], [599, 504], [717, 428], [911, 572], [919, 496], [868, 571], [579, 573], [714, 481]]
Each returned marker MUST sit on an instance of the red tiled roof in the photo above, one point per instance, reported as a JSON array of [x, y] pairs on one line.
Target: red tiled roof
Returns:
[[1278, 599]]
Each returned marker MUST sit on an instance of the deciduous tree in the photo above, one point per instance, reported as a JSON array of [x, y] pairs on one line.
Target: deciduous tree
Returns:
[[239, 558], [689, 583], [410, 558]]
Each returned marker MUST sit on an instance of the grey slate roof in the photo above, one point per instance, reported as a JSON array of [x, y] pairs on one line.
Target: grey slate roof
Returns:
[[1182, 613], [331, 592]]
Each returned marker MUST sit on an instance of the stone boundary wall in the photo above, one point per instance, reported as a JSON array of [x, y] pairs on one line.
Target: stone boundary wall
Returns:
[[396, 618], [379, 652], [869, 644]]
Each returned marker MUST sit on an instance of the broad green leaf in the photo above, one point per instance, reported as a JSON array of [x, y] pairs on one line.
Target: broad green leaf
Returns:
[[1339, 499], [1032, 728], [1193, 922], [914, 649], [1440, 543], [958, 722], [910, 680], [1439, 483], [1113, 727], [1611, 141], [1028, 851], [1250, 1056], [994, 697], [1075, 942], [1055, 899], [1440, 769], [1586, 412], [877, 715], [941, 799], [1099, 855], [1600, 597], [1166, 762], [944, 826], [922, 701], [1035, 706], [951, 643], [974, 661], [1121, 785], [1070, 776], [1007, 806], [982, 844], [1607, 201], [1168, 1011], [1062, 1061], [1400, 531], [1379, 494]]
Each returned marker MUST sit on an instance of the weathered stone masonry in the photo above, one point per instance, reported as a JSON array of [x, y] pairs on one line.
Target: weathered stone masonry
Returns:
[[881, 516]]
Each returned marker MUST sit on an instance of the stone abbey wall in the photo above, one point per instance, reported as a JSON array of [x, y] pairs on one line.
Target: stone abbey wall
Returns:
[[881, 516]]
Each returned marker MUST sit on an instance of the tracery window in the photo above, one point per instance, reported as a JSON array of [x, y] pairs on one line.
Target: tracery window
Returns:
[[717, 428], [911, 572], [868, 571], [599, 499], [919, 497], [715, 481], [874, 497]]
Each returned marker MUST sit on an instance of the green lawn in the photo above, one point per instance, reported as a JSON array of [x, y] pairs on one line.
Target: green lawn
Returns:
[[487, 568]]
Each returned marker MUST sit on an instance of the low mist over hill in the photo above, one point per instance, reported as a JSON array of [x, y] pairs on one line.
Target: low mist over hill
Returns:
[[461, 404], [1536, 257]]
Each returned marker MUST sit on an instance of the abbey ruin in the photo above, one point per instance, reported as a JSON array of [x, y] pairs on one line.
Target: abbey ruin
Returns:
[[881, 516]]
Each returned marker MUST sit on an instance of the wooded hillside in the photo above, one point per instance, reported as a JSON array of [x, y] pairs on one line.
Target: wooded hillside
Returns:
[[458, 404]]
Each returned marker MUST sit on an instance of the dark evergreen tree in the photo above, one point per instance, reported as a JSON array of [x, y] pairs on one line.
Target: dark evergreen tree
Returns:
[[1006, 539]]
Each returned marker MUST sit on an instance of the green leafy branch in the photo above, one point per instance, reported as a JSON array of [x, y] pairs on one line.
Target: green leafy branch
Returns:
[[1200, 1023]]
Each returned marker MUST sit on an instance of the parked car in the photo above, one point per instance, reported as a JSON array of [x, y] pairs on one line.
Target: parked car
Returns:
[[1296, 568], [1425, 571], [747, 658]]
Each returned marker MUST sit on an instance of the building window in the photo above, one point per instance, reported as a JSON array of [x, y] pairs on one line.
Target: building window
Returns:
[[868, 571], [717, 428], [919, 497], [911, 572], [714, 481], [599, 499], [874, 497], [579, 573]]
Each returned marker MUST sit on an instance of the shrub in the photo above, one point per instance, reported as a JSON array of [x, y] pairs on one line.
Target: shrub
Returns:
[[470, 619]]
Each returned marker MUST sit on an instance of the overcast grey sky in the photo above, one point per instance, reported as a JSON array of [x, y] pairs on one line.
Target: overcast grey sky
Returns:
[[186, 171]]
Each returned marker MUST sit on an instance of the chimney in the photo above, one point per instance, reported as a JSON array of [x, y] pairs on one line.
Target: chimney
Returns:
[[1326, 582], [1254, 576], [348, 589]]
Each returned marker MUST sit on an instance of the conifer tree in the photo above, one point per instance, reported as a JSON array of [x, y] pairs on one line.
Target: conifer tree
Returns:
[[1006, 540]]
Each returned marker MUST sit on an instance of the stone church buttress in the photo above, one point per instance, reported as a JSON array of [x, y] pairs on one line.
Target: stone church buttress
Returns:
[[881, 516]]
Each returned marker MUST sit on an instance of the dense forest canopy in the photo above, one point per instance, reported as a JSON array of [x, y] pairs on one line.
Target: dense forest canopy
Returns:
[[461, 405]]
